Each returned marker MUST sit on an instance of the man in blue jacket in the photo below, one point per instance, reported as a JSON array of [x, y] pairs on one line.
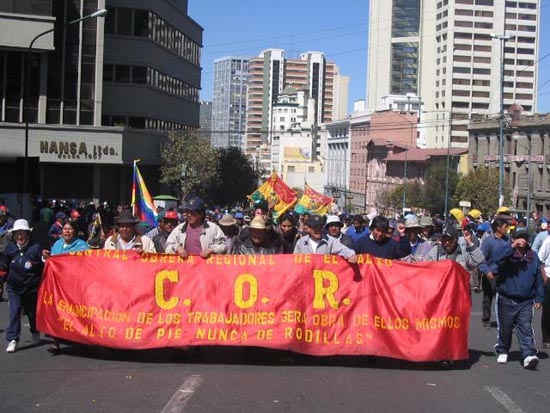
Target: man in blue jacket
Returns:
[[519, 289], [378, 244]]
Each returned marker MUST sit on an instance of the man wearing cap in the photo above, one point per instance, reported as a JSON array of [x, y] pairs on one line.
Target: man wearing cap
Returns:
[[379, 245], [257, 242], [449, 249], [54, 233], [126, 237], [167, 221], [519, 290], [21, 269], [196, 235], [544, 257], [333, 227], [317, 242]]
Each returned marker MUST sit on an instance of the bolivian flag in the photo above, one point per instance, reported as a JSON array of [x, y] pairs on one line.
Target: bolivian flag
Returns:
[[313, 202], [277, 194]]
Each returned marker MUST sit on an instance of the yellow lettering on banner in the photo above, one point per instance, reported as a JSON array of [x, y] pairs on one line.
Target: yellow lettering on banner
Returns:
[[48, 298], [391, 323], [253, 291], [145, 318], [330, 259], [169, 333], [302, 258], [322, 291], [160, 300], [133, 333], [438, 323], [264, 334]]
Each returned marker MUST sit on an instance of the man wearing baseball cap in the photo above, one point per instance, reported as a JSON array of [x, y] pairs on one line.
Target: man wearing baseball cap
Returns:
[[317, 242], [167, 221], [196, 235]]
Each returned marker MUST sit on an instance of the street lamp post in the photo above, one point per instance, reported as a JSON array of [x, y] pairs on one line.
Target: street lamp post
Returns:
[[98, 13], [502, 38], [519, 137]]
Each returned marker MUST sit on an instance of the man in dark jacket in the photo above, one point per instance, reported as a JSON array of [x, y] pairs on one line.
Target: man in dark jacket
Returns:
[[378, 245], [21, 269], [519, 289]]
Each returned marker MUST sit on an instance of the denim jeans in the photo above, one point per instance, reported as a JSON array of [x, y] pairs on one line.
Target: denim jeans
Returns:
[[16, 303], [519, 315], [489, 291]]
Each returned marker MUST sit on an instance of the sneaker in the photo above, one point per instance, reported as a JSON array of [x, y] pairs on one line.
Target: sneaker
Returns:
[[487, 325], [502, 358], [477, 290], [35, 339], [12, 346], [530, 362]]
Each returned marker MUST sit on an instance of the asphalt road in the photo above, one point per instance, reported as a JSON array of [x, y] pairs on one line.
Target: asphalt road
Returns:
[[216, 379]]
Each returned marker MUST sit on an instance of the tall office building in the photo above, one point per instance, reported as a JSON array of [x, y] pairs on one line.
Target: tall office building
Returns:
[[447, 54], [229, 102], [269, 74], [102, 92]]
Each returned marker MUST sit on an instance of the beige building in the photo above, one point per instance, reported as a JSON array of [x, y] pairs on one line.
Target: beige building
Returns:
[[526, 158]]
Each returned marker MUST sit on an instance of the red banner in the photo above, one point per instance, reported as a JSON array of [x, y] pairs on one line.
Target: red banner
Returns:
[[313, 304]]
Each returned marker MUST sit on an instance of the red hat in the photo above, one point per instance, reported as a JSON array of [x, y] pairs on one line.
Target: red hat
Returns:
[[75, 214], [171, 215]]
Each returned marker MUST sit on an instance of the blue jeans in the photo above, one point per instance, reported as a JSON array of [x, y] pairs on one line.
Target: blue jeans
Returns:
[[519, 315], [17, 302]]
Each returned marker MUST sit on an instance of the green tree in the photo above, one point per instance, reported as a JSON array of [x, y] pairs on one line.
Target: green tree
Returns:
[[236, 177], [434, 186], [189, 163], [480, 187]]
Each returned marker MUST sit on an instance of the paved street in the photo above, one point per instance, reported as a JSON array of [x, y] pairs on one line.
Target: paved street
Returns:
[[217, 379]]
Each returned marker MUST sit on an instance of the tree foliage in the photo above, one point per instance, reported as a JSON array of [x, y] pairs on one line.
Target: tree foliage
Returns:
[[480, 187], [236, 177], [434, 186], [189, 164]]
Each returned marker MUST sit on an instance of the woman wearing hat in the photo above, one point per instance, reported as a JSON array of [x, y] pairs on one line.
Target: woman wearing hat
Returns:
[[21, 269], [126, 237]]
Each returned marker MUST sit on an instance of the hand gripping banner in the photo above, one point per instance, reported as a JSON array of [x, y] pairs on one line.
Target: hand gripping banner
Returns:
[[312, 304]]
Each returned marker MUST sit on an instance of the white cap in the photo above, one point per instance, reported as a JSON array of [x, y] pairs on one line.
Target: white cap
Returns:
[[20, 225], [331, 219]]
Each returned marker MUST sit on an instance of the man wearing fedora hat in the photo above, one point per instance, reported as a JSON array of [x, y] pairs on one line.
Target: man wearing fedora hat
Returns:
[[21, 269], [230, 228], [126, 237], [257, 242], [196, 235]]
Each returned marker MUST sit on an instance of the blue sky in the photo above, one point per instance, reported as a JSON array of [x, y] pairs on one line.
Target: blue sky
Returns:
[[245, 27]]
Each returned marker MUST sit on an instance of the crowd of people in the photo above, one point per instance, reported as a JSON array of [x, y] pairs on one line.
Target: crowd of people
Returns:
[[507, 262]]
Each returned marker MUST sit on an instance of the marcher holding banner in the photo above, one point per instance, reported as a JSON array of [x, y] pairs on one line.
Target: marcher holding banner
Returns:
[[449, 249], [379, 245], [126, 237], [196, 235], [316, 242], [257, 242]]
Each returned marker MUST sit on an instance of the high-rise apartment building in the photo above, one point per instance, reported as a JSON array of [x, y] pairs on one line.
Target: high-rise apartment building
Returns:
[[229, 102], [449, 54], [269, 74]]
